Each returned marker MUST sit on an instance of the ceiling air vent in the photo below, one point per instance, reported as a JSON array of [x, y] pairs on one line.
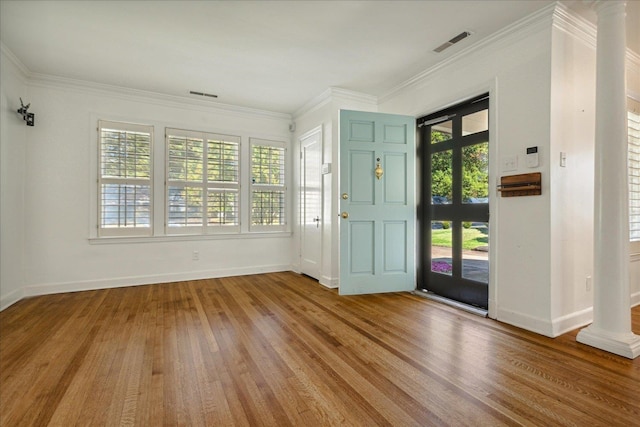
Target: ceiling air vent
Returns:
[[210, 95], [463, 35]]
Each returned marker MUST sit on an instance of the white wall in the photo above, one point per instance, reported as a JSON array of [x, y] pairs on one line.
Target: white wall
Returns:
[[515, 70], [324, 111], [60, 186], [541, 79], [572, 190], [13, 143]]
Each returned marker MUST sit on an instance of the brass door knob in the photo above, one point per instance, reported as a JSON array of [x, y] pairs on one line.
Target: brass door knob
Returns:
[[344, 215], [345, 196]]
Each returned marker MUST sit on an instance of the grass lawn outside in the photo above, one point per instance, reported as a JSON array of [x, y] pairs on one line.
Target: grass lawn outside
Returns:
[[471, 238]]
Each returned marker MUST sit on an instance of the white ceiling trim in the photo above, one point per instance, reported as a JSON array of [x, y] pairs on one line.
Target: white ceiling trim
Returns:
[[585, 31], [44, 80], [22, 69], [510, 34], [82, 86], [329, 95], [574, 25]]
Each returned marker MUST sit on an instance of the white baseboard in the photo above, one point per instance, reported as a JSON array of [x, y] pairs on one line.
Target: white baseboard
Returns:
[[10, 298], [524, 321], [55, 288], [572, 321], [329, 282], [493, 309]]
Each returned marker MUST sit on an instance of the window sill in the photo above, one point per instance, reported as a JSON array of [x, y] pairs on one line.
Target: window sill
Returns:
[[186, 237]]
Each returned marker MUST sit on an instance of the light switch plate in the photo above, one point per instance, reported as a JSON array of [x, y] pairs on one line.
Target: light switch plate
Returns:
[[509, 163]]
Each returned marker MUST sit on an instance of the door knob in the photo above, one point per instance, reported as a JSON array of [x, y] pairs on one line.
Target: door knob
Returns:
[[344, 215]]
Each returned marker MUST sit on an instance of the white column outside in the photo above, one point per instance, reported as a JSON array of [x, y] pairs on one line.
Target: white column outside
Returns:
[[611, 327]]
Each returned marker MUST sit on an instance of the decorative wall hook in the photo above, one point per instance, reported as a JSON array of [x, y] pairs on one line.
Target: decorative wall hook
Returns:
[[379, 171], [26, 116]]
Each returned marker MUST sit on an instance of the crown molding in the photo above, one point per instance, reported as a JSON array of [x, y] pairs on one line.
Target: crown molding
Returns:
[[314, 104], [584, 30], [23, 71], [509, 34], [330, 95], [574, 25], [50, 81], [83, 86]]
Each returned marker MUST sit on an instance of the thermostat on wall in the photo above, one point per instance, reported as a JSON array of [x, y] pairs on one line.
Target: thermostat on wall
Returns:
[[532, 157]]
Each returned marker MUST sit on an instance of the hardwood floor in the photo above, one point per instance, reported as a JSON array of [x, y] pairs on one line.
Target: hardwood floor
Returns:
[[279, 349]]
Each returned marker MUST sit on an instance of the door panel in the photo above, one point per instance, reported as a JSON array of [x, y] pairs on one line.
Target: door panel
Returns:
[[361, 245], [377, 241], [395, 236], [361, 188], [395, 183]]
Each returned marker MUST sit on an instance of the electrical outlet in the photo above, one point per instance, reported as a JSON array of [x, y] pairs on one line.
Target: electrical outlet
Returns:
[[195, 256], [588, 283]]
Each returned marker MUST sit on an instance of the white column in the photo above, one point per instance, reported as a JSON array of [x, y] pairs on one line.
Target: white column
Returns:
[[611, 327]]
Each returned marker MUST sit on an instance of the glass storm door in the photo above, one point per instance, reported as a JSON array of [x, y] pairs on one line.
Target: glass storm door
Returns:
[[454, 213]]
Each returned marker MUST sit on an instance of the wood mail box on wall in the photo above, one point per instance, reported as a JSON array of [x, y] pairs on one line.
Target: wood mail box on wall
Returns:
[[526, 184]]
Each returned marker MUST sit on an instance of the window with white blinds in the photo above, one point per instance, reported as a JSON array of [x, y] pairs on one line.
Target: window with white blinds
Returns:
[[203, 188], [268, 185], [125, 179], [634, 169]]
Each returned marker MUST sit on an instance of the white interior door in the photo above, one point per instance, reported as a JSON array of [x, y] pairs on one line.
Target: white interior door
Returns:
[[311, 203], [377, 202]]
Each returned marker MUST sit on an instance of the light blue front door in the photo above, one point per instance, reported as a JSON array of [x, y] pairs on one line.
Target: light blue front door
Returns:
[[377, 215]]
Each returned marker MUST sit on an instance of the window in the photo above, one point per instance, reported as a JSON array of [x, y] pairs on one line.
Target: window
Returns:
[[268, 185], [124, 179], [202, 182], [634, 169]]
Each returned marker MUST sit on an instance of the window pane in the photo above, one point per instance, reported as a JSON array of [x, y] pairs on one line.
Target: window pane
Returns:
[[125, 154], [186, 159], [475, 173], [124, 178], [125, 206], [185, 207], [441, 178], [634, 175], [476, 122], [441, 251], [267, 165], [475, 251], [222, 207], [267, 208], [222, 161], [441, 132]]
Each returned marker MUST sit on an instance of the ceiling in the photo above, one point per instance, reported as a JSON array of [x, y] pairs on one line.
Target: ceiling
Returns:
[[269, 55]]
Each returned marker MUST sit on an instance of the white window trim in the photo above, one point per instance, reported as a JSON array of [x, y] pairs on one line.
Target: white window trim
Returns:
[[133, 231], [203, 229], [284, 188], [158, 234]]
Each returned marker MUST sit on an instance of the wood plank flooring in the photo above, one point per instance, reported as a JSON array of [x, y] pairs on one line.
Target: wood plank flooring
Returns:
[[281, 350]]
